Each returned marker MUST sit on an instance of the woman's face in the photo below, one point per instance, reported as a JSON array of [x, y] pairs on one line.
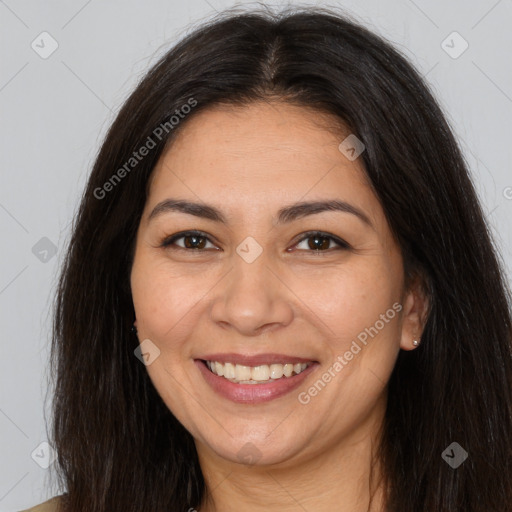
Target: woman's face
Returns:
[[260, 295]]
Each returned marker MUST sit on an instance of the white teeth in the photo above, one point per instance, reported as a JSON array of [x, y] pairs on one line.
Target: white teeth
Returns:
[[241, 372], [287, 370], [260, 372], [229, 371], [276, 371], [255, 374], [219, 369]]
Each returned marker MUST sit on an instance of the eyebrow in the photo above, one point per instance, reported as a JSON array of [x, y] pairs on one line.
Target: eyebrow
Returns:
[[284, 215]]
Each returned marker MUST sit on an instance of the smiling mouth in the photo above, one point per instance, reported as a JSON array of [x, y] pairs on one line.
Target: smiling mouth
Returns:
[[261, 374]]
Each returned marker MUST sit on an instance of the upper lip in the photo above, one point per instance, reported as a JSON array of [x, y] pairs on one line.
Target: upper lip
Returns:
[[255, 360]]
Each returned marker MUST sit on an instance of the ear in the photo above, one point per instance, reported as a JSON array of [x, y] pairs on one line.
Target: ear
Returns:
[[416, 305]]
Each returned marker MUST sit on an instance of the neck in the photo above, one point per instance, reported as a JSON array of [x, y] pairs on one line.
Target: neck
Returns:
[[345, 476]]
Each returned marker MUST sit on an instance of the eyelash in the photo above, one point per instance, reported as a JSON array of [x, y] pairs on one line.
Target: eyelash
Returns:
[[170, 240]]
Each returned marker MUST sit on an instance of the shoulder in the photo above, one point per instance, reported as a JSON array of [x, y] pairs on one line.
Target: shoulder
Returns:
[[48, 506]]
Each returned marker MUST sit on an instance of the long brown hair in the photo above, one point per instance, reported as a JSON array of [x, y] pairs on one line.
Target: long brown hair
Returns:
[[119, 447]]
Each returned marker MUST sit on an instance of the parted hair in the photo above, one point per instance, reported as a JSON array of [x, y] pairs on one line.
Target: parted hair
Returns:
[[119, 447]]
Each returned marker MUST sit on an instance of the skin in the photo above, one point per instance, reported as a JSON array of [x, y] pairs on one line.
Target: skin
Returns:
[[249, 162]]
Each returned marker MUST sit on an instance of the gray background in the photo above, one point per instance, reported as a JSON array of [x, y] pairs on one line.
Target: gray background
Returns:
[[55, 112]]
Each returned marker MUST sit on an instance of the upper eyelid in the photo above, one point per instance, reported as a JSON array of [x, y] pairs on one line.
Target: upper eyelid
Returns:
[[321, 234], [303, 236], [172, 238]]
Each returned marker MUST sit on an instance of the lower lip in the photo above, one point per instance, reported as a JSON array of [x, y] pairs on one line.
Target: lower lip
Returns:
[[252, 393]]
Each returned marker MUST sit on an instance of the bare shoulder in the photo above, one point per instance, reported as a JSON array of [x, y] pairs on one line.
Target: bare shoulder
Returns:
[[51, 505]]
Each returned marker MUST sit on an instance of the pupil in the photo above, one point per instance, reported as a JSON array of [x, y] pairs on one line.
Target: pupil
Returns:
[[319, 242], [192, 244], [323, 245]]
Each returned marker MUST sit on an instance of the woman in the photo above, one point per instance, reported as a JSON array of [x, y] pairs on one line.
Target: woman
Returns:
[[280, 292]]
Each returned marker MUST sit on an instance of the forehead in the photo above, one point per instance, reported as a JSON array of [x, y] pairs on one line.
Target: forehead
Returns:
[[260, 154]]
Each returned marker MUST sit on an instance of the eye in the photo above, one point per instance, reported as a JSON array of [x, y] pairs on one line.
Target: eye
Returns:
[[194, 240], [318, 241]]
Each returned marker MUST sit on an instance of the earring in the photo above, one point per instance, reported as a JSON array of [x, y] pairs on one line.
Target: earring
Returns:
[[415, 343], [133, 329]]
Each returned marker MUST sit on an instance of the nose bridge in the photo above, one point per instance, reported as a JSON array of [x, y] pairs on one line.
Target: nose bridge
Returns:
[[252, 297], [251, 273]]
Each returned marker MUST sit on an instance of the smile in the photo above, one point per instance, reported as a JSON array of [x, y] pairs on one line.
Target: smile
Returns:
[[253, 379], [242, 374]]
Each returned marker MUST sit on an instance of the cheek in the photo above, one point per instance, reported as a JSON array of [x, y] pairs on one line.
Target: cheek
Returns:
[[167, 305], [166, 302], [359, 308], [351, 298]]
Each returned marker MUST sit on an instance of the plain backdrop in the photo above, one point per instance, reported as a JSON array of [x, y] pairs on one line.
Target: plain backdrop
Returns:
[[56, 107]]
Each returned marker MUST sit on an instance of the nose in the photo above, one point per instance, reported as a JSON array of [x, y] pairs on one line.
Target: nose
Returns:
[[252, 298]]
